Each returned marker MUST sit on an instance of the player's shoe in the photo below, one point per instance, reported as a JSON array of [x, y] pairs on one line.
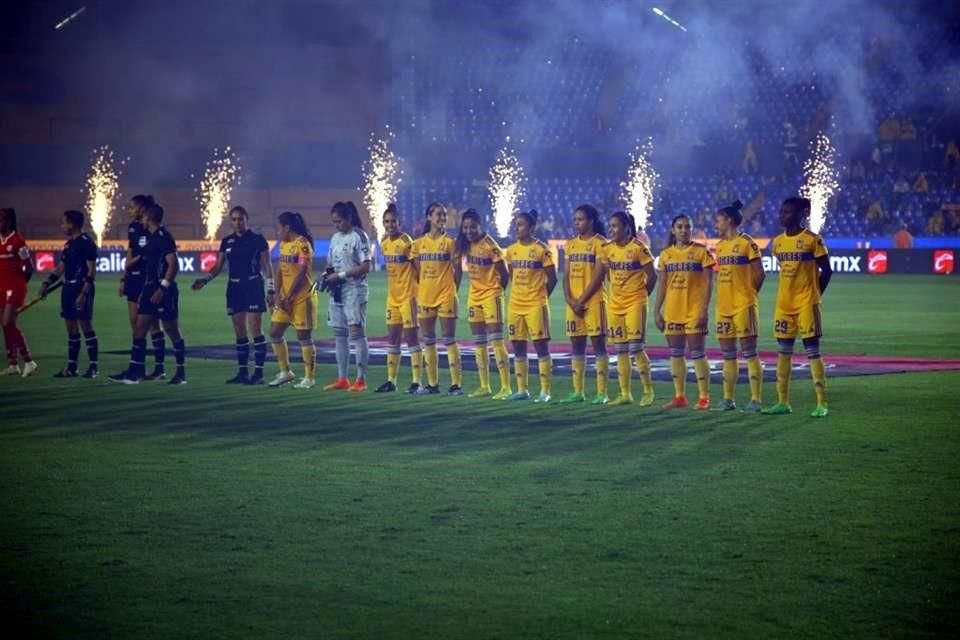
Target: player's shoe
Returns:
[[752, 407], [386, 387], [455, 390], [178, 379], [124, 377], [282, 378], [480, 392], [158, 373], [519, 395], [646, 400], [543, 398], [306, 383], [779, 409], [622, 399], [415, 389], [29, 368], [679, 402], [66, 373], [358, 385], [340, 384], [703, 404], [727, 405], [12, 370], [256, 378], [600, 398], [573, 398], [820, 412], [91, 373], [240, 378], [503, 394], [431, 389]]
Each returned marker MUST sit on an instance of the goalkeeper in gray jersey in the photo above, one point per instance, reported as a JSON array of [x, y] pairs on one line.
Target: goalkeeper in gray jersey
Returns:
[[348, 262]]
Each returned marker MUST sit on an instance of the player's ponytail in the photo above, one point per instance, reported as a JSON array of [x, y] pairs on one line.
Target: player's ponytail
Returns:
[[594, 217], [10, 215], [463, 243], [671, 238], [295, 221], [348, 211], [733, 212]]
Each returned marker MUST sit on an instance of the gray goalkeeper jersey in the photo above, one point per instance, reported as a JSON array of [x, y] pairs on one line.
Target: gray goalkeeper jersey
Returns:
[[347, 250]]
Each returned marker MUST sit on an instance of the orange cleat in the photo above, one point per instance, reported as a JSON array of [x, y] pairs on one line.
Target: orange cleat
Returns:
[[703, 404], [677, 403], [341, 384], [358, 385]]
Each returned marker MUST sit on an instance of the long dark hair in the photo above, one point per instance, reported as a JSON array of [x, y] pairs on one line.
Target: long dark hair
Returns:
[[11, 215], [672, 239], [531, 217], [626, 220], [295, 221], [800, 205], [463, 243], [733, 212], [348, 211], [426, 214], [594, 217]]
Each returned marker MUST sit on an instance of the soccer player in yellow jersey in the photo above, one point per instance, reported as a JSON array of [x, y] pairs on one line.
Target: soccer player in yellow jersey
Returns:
[[804, 275], [401, 312], [488, 278], [438, 272], [532, 279], [294, 298], [586, 313], [739, 278], [681, 309], [629, 266]]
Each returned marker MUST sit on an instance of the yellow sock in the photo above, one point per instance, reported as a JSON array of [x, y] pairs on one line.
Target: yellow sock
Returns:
[[416, 363], [755, 369], [453, 362], [731, 371], [623, 373], [433, 364], [702, 368], [678, 370], [819, 375], [520, 368], [545, 366], [309, 353], [483, 364], [784, 371], [503, 363], [603, 373], [283, 355], [579, 374], [643, 367], [393, 365]]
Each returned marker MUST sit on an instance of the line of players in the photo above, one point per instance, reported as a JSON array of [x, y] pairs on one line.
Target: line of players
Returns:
[[423, 278]]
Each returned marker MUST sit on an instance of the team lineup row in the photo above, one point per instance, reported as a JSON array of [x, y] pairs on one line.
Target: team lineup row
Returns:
[[609, 276]]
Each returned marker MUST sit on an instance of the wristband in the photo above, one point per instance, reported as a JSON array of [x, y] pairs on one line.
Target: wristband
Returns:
[[270, 284], [165, 283], [342, 275]]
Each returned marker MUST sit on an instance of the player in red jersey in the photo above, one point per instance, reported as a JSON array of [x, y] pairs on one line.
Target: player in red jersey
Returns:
[[16, 267]]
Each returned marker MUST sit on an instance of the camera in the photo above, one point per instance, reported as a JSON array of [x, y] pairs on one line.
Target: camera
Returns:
[[335, 290]]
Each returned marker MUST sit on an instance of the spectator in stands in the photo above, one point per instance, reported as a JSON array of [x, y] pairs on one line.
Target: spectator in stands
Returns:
[[876, 217], [935, 224], [951, 156], [857, 172], [756, 227], [920, 185], [750, 164], [903, 239]]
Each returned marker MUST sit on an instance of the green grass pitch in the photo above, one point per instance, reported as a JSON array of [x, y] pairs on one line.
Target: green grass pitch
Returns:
[[207, 511]]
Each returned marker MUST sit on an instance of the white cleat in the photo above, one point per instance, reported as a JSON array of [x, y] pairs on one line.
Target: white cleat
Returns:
[[29, 368], [12, 370], [306, 383], [543, 398], [282, 378]]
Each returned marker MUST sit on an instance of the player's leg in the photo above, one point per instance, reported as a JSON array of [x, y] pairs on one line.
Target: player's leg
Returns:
[[748, 345], [478, 329], [239, 322], [637, 330], [278, 326], [500, 357], [18, 343], [731, 367], [696, 343], [520, 369], [544, 368], [255, 329], [448, 327], [136, 369], [577, 335], [90, 339], [171, 325], [621, 345], [412, 338], [308, 352], [602, 363], [337, 321], [810, 332], [73, 349], [6, 308], [677, 342], [394, 338], [785, 331], [158, 341], [428, 327]]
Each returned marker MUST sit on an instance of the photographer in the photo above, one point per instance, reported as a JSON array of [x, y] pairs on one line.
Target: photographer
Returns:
[[348, 263]]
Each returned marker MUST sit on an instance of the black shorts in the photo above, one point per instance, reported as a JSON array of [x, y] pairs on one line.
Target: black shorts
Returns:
[[246, 296], [169, 307], [68, 299], [133, 285]]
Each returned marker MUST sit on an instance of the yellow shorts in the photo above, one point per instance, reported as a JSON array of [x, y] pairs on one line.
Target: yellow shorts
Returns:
[[689, 327], [529, 325], [302, 314], [444, 309], [489, 311], [806, 323], [628, 327], [742, 324], [404, 314], [593, 322]]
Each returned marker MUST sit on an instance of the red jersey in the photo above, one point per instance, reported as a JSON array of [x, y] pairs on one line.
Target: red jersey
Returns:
[[13, 257]]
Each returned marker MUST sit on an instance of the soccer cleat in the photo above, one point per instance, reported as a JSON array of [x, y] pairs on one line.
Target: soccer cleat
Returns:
[[678, 402], [124, 377], [157, 374], [454, 390], [340, 384], [752, 407], [66, 373], [29, 368], [820, 412], [519, 395], [703, 404], [358, 385], [431, 389], [779, 409], [415, 389], [255, 379], [543, 398], [622, 399], [600, 398], [646, 400], [573, 398], [305, 383], [178, 379], [282, 378], [503, 394], [481, 392], [240, 378], [12, 370], [727, 405], [386, 387], [91, 372]]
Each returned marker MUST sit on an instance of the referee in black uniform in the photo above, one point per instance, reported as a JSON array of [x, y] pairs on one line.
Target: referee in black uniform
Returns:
[[77, 267], [248, 258]]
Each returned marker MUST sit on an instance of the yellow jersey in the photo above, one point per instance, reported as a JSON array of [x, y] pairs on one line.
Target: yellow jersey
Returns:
[[582, 256], [625, 268], [434, 258], [735, 290], [528, 274], [401, 285], [685, 275], [293, 254], [482, 259], [799, 275]]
